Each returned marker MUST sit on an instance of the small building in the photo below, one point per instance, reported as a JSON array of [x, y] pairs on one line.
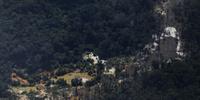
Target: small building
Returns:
[[110, 71]]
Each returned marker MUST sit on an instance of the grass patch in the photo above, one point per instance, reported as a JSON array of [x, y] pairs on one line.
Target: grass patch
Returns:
[[26, 89], [69, 76]]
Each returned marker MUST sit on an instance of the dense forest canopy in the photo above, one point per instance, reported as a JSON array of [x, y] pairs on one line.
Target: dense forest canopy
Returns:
[[39, 34], [44, 33]]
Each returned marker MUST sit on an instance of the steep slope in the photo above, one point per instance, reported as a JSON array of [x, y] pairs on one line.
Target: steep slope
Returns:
[[167, 45], [178, 79]]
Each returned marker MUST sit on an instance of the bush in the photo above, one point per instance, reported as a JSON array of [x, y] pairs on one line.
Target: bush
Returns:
[[61, 82], [76, 82], [15, 83]]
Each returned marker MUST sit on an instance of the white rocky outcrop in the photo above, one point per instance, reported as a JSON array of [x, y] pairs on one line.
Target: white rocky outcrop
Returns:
[[160, 11], [95, 59], [91, 56], [170, 32]]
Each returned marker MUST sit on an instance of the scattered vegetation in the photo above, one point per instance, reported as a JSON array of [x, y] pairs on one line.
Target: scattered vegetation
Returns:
[[37, 35]]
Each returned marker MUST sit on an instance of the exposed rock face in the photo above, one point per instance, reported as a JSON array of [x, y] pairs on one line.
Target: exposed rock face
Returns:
[[168, 48], [170, 44], [167, 45], [170, 32], [16, 78]]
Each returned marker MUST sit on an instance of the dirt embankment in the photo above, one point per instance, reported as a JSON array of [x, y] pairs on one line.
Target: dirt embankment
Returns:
[[15, 77]]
